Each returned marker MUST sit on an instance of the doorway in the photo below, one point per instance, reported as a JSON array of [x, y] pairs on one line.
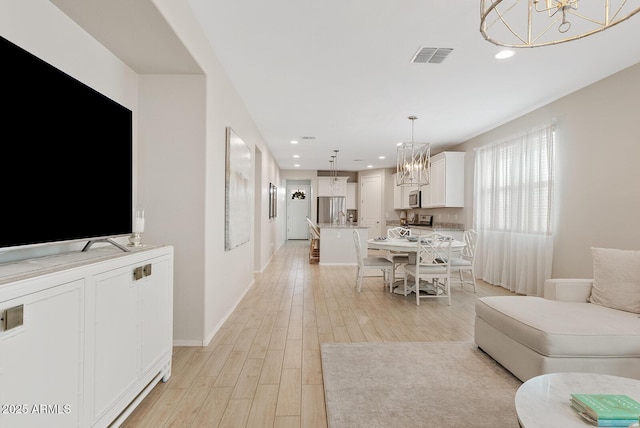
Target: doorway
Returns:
[[371, 204], [298, 209], [257, 215]]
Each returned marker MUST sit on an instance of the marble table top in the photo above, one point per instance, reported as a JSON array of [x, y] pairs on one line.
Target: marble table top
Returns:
[[543, 401]]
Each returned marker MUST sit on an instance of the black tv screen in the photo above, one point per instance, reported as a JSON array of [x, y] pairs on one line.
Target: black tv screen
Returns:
[[66, 165]]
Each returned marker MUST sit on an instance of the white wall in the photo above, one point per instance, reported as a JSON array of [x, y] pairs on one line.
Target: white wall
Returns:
[[227, 274], [597, 197], [172, 175]]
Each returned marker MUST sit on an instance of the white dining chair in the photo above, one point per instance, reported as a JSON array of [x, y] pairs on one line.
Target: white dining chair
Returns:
[[432, 265], [397, 258], [465, 263], [365, 262]]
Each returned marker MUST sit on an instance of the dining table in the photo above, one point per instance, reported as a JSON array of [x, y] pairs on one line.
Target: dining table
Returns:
[[403, 245]]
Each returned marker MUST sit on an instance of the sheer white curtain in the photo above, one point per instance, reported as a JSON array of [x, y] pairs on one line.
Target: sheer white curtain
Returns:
[[512, 211]]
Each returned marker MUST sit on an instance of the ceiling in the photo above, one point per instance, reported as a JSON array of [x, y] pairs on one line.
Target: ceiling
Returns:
[[337, 75]]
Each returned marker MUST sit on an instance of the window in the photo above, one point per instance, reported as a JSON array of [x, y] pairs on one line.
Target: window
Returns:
[[512, 211], [514, 184]]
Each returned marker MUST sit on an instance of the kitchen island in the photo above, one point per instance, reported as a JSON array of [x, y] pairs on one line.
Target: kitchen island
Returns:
[[336, 243]]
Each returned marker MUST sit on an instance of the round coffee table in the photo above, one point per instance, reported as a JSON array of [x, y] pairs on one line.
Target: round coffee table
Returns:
[[543, 401]]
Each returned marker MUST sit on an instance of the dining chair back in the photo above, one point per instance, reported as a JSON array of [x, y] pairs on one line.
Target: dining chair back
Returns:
[[366, 262], [466, 262], [398, 232], [432, 266], [397, 258]]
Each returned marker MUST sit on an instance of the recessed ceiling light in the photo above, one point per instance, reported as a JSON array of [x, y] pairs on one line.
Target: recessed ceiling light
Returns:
[[398, 144], [369, 166], [294, 142], [297, 165], [296, 156], [382, 157], [505, 53]]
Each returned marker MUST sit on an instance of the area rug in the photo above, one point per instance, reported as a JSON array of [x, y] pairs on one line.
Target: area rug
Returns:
[[452, 384]]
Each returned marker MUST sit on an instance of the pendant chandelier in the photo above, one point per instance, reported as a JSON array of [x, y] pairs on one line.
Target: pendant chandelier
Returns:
[[414, 163], [531, 23], [333, 173]]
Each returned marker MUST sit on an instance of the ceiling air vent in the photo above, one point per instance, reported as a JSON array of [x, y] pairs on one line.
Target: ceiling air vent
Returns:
[[431, 55]]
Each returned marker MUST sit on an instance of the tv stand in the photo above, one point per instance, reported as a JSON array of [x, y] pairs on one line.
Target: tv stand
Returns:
[[109, 240], [86, 336]]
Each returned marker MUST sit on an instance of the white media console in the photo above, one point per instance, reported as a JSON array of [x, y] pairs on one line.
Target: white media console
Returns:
[[84, 336]]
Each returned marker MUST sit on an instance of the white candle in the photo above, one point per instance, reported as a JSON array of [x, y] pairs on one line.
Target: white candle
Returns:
[[138, 225]]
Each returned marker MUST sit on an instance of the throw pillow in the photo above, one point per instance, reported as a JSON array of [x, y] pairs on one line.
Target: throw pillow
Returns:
[[616, 279]]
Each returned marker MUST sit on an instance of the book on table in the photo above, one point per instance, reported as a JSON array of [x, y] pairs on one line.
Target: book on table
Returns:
[[607, 409]]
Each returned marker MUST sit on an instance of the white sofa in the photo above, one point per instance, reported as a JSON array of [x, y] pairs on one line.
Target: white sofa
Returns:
[[560, 332]]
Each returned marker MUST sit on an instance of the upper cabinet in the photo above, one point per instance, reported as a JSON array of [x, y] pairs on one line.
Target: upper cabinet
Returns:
[[447, 181], [323, 186], [352, 196], [401, 195]]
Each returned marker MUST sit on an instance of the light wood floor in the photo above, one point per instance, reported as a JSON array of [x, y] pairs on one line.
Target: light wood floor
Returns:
[[263, 369]]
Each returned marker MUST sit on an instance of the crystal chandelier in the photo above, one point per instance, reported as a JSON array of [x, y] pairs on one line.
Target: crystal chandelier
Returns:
[[531, 23], [414, 163]]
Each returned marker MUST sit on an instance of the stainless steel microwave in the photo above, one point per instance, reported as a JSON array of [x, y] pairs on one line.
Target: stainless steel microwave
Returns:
[[414, 199]]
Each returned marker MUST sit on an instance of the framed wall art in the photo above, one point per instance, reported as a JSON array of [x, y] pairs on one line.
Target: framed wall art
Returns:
[[273, 201], [238, 191]]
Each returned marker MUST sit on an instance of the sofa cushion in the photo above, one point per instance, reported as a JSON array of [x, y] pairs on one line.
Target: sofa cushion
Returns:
[[616, 279], [556, 329]]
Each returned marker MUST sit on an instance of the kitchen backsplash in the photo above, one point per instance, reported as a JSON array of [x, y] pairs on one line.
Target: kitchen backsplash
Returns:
[[436, 225]]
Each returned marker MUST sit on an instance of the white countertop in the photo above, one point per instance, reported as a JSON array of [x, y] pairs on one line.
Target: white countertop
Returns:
[[341, 226], [434, 228], [438, 226]]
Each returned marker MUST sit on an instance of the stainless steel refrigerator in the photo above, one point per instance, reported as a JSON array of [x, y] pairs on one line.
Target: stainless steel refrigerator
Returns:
[[329, 208]]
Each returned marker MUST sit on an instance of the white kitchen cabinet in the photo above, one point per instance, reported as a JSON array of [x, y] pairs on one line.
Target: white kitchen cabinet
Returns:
[[96, 335], [397, 194], [425, 195], [352, 196], [401, 195], [447, 181], [324, 186]]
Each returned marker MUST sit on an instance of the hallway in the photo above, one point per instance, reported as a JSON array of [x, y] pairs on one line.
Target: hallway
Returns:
[[262, 369]]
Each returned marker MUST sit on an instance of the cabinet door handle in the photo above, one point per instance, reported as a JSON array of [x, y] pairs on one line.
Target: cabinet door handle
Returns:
[[138, 273], [11, 318], [141, 271]]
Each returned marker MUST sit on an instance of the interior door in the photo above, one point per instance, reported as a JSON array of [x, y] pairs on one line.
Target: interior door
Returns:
[[298, 209], [371, 204]]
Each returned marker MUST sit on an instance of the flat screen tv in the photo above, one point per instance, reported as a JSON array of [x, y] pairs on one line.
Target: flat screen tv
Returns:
[[66, 165]]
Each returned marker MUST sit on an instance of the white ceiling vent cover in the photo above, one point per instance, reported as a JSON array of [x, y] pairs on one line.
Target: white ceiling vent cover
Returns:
[[431, 55]]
